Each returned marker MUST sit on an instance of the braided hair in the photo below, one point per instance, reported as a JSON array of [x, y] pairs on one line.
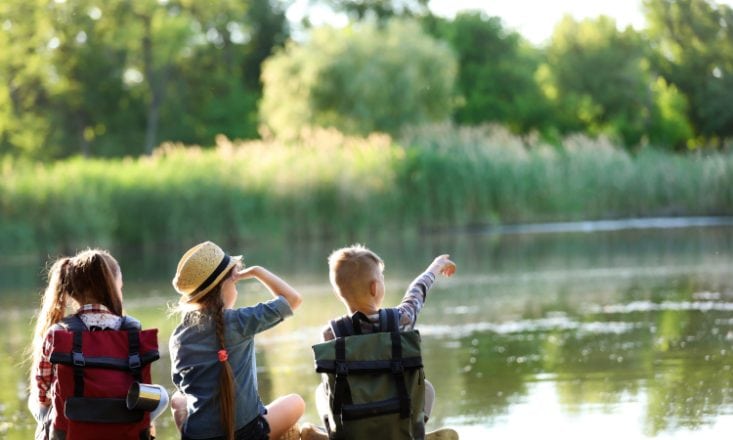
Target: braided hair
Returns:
[[212, 306]]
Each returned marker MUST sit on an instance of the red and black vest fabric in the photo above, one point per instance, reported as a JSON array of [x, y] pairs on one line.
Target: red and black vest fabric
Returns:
[[94, 371]]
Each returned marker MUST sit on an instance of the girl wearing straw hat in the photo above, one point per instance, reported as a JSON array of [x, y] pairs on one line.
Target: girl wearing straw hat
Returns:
[[212, 350]]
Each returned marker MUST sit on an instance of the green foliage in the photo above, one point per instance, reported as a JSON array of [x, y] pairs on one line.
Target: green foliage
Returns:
[[24, 97], [598, 79], [670, 126], [336, 186], [380, 9], [360, 79], [224, 67], [496, 72], [112, 78], [693, 50]]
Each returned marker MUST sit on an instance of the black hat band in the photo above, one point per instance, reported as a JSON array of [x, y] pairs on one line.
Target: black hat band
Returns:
[[219, 269]]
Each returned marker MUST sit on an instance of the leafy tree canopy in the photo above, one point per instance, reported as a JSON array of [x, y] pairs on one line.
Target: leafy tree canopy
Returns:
[[496, 72], [380, 9], [693, 50], [359, 79]]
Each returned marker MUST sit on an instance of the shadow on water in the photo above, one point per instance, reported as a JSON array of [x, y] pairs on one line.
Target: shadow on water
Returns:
[[622, 332]]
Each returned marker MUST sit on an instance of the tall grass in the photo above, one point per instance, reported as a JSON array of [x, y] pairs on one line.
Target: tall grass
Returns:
[[332, 185]]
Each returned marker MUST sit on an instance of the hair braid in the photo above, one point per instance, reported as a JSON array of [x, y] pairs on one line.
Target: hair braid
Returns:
[[226, 377]]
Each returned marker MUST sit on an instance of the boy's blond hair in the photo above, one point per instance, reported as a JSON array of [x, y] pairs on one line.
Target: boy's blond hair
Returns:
[[352, 269]]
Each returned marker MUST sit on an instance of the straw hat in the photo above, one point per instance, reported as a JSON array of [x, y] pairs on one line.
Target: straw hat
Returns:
[[201, 268]]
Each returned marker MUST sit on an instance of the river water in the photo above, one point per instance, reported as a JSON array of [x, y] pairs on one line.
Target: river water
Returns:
[[608, 333]]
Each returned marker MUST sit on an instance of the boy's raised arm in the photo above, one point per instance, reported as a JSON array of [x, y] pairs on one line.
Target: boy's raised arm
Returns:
[[414, 298]]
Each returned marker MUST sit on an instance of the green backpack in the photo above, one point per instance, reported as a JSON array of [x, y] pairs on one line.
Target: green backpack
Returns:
[[374, 381]]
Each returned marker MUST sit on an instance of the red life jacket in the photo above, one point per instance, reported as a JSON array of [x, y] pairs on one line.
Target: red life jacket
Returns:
[[94, 371]]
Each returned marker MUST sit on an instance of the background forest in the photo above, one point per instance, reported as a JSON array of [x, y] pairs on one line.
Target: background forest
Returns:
[[518, 132]]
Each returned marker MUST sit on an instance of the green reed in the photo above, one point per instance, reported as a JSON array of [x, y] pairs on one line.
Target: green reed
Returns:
[[353, 188]]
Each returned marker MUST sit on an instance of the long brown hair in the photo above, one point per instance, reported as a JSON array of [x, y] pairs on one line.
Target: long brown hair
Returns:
[[89, 277], [212, 306]]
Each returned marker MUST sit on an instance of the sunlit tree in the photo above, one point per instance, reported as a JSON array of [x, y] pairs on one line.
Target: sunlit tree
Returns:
[[359, 79], [380, 9], [693, 46], [597, 76], [116, 77], [26, 45], [496, 69]]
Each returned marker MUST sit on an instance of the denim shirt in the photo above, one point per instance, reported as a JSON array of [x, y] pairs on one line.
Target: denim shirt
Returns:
[[195, 365]]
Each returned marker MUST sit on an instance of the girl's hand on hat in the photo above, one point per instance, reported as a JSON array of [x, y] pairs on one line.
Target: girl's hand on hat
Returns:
[[272, 282], [240, 273]]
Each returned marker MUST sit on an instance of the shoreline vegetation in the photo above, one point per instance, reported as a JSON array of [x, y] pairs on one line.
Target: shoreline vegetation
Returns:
[[331, 185]]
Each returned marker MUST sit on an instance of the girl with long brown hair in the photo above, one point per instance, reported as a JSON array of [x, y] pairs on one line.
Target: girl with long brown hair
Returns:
[[91, 283], [212, 350]]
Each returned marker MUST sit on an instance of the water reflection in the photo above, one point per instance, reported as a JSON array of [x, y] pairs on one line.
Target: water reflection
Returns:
[[674, 357], [628, 333]]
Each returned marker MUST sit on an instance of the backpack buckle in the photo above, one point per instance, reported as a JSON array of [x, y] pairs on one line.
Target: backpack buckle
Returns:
[[342, 368], [397, 367], [134, 361], [78, 359]]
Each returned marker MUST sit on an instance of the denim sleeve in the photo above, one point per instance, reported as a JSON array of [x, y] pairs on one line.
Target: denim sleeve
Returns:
[[255, 319]]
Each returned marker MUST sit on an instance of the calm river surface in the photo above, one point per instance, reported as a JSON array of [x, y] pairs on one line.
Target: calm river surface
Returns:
[[615, 334]]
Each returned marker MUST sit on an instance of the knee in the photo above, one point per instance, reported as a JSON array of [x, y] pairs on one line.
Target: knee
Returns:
[[429, 389], [178, 401], [297, 403]]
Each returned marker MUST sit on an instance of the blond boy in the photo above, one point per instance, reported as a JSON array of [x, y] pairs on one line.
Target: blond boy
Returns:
[[356, 274]]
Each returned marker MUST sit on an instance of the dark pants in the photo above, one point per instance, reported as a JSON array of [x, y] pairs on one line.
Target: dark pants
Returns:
[[257, 429]]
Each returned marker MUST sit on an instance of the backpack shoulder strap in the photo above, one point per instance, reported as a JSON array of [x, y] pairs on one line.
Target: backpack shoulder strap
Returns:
[[359, 319], [389, 320], [72, 323], [134, 361], [130, 323], [342, 327], [75, 325]]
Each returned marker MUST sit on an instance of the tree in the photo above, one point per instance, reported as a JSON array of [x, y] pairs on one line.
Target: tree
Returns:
[[90, 62], [693, 47], [216, 88], [670, 127], [359, 79], [496, 72], [596, 75], [380, 9], [114, 77], [25, 46]]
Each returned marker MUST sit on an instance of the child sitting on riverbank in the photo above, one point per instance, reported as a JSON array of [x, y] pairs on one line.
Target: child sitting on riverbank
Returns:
[[356, 274], [81, 362], [212, 350]]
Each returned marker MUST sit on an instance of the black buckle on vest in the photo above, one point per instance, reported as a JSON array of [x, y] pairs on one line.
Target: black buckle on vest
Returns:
[[134, 361], [78, 359], [342, 368]]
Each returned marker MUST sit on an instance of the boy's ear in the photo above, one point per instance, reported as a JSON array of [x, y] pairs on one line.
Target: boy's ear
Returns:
[[373, 288]]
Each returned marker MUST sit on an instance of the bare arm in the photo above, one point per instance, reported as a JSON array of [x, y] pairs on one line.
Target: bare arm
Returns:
[[274, 284]]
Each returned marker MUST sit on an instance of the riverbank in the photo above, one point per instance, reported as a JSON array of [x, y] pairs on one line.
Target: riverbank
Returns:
[[351, 188]]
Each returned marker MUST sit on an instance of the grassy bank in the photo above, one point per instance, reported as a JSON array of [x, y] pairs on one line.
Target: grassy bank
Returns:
[[330, 185]]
